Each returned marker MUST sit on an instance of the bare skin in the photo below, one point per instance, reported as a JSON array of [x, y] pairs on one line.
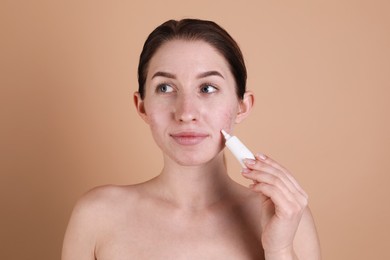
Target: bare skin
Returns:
[[193, 210], [146, 222]]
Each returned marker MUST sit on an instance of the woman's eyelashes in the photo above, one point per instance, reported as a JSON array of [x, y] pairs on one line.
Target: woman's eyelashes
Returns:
[[164, 88], [206, 88]]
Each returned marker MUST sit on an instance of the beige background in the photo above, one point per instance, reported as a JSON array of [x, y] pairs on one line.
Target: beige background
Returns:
[[319, 69]]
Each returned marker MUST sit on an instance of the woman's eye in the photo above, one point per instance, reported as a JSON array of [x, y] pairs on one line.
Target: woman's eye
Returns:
[[164, 88], [208, 89]]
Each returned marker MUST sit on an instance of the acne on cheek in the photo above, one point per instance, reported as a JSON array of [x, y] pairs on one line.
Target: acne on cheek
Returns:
[[227, 120]]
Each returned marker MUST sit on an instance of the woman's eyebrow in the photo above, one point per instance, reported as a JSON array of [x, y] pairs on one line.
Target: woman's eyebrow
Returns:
[[210, 73], [163, 74], [201, 75]]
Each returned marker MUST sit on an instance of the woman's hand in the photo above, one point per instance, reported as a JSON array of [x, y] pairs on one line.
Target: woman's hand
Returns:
[[282, 210]]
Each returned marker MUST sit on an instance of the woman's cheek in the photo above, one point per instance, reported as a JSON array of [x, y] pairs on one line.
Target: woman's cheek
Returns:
[[226, 120], [156, 112], [156, 120]]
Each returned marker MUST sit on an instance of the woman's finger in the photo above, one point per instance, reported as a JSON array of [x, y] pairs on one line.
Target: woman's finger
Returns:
[[285, 206], [257, 165], [270, 179], [260, 172], [273, 163]]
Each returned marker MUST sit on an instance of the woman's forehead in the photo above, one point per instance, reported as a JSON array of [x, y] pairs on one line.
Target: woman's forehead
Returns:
[[195, 55]]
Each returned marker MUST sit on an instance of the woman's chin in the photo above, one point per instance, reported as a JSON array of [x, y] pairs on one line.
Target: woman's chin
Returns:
[[194, 161]]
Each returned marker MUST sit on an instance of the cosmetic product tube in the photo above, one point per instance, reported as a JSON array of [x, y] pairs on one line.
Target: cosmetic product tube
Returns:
[[239, 150]]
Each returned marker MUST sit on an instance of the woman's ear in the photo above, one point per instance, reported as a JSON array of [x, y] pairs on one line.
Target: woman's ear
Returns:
[[140, 106], [245, 106]]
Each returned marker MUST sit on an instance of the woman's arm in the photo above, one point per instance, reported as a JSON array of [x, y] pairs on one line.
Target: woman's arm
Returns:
[[306, 242], [288, 227], [80, 237]]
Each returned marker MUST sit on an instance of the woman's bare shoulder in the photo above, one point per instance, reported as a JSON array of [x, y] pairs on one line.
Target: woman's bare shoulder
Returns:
[[94, 213], [106, 197], [100, 206]]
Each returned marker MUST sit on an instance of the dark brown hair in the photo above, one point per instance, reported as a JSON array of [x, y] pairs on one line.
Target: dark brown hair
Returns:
[[194, 29]]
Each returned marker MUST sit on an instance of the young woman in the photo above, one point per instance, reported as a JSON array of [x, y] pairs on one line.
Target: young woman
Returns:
[[192, 84]]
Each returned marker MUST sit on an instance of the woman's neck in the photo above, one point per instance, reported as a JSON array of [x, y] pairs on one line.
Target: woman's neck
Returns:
[[194, 187]]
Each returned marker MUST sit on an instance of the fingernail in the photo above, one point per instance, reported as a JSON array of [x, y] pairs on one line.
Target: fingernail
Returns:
[[245, 171], [249, 161], [261, 156]]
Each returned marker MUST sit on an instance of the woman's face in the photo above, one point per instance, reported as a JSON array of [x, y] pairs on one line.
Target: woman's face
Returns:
[[189, 97]]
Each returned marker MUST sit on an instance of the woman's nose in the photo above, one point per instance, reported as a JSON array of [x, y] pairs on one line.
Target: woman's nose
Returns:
[[187, 109]]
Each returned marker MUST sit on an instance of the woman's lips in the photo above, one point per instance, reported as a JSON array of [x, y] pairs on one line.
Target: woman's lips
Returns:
[[189, 138]]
